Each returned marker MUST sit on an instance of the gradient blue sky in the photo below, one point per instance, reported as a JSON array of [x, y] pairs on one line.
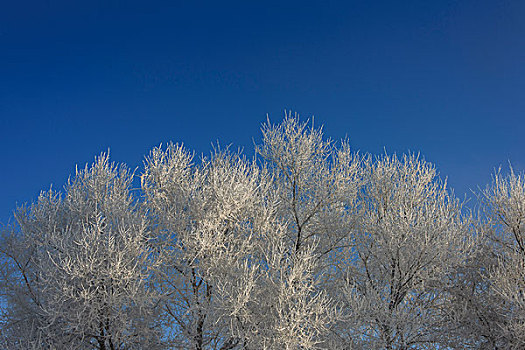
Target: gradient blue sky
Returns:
[[444, 78]]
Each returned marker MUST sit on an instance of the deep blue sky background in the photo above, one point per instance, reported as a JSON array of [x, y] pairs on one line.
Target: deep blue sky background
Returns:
[[446, 78]]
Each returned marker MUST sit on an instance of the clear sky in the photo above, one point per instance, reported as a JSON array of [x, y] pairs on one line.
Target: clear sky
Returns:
[[444, 78]]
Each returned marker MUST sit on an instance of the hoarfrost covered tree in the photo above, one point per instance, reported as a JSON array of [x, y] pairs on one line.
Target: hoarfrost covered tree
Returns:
[[74, 270], [316, 186], [410, 237], [205, 218], [502, 267]]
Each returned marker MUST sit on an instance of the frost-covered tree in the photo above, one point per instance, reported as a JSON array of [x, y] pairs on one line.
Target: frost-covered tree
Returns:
[[205, 218], [75, 268], [499, 320], [316, 185], [409, 238]]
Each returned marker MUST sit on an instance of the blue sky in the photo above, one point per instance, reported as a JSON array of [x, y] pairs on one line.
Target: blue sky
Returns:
[[444, 78]]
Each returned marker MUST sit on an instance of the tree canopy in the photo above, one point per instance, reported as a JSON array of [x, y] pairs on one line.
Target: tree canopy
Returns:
[[309, 245]]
